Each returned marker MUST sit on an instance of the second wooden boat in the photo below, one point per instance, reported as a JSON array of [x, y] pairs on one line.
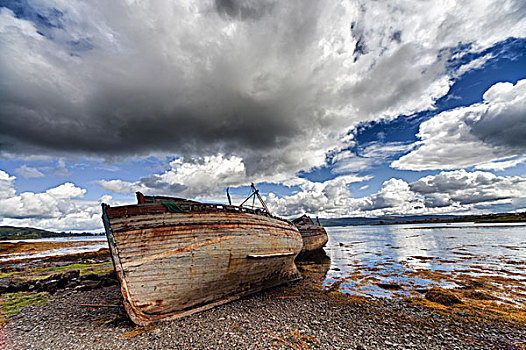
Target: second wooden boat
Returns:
[[313, 234]]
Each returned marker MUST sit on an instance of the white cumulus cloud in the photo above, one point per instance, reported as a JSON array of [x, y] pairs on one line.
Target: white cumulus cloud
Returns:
[[478, 135], [58, 208]]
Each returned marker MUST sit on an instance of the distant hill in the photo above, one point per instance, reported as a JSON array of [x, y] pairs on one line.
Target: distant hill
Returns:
[[11, 232], [416, 219]]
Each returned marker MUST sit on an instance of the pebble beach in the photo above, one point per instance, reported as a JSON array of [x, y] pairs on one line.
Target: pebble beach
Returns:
[[87, 313]]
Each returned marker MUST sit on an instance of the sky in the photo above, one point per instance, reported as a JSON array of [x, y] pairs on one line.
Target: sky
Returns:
[[332, 108]]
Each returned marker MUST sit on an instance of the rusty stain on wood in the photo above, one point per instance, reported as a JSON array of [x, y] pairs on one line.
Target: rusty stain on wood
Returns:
[[176, 251], [173, 264]]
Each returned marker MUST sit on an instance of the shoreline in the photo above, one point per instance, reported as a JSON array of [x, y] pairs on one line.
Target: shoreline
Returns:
[[302, 315]]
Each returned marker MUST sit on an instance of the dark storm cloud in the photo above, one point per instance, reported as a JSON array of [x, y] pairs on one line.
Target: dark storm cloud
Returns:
[[193, 98], [157, 185], [238, 9], [276, 83], [239, 122]]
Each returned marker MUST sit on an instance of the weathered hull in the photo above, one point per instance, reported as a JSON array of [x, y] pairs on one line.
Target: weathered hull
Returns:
[[175, 264], [314, 238]]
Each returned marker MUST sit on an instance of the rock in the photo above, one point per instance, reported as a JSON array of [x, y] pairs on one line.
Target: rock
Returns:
[[72, 274], [89, 285], [389, 286], [478, 295], [72, 283], [4, 284], [49, 285], [442, 296], [422, 290], [16, 285], [90, 277], [107, 281]]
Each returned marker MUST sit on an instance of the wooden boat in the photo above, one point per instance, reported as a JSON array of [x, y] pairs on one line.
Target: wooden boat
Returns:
[[313, 234], [175, 257]]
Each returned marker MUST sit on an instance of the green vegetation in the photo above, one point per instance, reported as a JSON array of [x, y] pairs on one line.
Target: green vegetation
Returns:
[[12, 303], [6, 274], [43, 273], [98, 268], [11, 232]]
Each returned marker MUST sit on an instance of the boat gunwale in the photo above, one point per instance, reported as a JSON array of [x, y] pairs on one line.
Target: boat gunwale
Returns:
[[188, 208]]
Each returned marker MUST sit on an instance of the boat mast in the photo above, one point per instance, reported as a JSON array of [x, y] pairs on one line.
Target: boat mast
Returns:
[[256, 192], [228, 195], [253, 196]]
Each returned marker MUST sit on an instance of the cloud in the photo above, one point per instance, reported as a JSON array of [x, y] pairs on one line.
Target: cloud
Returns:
[[64, 208], [501, 164], [202, 177], [465, 188], [363, 159], [484, 134], [503, 122], [327, 198], [58, 208], [448, 192], [207, 177], [29, 172], [395, 194], [49, 204], [278, 84], [475, 64], [7, 189]]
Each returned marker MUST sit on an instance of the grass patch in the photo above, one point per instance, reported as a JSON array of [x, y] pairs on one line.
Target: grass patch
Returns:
[[6, 274], [74, 267], [12, 303], [43, 273], [96, 271]]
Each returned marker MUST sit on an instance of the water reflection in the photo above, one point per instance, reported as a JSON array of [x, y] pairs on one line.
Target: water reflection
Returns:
[[315, 266], [372, 258]]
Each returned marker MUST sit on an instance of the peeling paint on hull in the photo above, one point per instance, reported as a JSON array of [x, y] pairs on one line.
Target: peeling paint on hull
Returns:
[[174, 264]]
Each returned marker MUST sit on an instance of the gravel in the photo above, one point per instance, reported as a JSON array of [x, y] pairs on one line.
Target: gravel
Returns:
[[289, 317]]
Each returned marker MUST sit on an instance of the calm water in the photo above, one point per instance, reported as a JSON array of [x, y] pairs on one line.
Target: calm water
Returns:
[[79, 244], [423, 255], [91, 238]]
